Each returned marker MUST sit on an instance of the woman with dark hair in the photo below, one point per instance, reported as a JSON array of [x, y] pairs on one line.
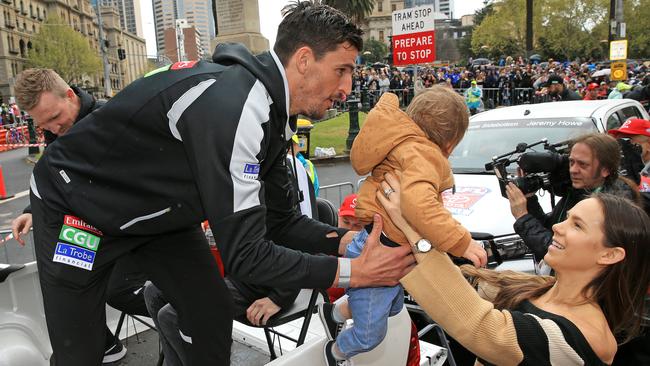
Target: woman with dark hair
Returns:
[[600, 255]]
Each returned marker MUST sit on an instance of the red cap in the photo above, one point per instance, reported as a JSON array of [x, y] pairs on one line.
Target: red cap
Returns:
[[592, 86], [348, 205], [633, 126]]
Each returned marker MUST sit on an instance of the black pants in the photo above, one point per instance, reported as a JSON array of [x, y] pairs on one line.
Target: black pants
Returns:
[[125, 291], [180, 263]]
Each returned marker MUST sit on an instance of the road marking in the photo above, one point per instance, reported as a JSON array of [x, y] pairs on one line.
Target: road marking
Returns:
[[16, 196]]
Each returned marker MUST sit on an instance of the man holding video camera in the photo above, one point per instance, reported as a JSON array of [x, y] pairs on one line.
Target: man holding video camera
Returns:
[[593, 167]]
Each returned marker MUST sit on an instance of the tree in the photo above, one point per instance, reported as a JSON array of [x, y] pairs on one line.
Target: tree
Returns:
[[570, 27], [465, 43], [59, 47], [563, 29], [637, 19], [357, 10], [374, 51]]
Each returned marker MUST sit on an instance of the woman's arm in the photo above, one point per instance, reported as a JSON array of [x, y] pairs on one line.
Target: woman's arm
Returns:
[[441, 290]]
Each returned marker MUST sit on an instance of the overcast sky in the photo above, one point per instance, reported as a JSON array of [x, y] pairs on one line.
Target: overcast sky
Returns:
[[270, 17]]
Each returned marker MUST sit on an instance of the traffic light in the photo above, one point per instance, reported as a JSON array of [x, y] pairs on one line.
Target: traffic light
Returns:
[[121, 53]]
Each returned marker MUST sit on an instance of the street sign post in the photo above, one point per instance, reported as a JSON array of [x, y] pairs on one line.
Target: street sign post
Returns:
[[414, 36], [618, 50], [618, 71]]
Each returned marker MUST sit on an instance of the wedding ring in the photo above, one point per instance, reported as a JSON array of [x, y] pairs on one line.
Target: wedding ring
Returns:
[[388, 191]]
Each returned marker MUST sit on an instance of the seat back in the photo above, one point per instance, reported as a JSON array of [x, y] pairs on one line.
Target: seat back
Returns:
[[327, 213]]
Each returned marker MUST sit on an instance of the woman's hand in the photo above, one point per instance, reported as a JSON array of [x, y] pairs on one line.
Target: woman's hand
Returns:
[[391, 202]]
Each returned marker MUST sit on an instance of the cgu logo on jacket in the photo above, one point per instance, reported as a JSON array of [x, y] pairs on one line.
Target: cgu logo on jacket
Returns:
[[79, 237]]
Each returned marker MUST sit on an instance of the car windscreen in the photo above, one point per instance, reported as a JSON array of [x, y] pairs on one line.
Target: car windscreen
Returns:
[[486, 139]]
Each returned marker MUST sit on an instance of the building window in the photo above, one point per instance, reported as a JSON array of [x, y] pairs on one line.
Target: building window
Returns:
[[380, 5], [381, 35], [393, 7]]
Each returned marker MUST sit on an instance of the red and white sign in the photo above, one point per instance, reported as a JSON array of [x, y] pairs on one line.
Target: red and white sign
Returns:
[[414, 36]]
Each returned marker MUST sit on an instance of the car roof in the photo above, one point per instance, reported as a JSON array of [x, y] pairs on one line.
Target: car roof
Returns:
[[578, 108]]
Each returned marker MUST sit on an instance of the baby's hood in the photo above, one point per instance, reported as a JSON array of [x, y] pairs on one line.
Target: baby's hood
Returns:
[[386, 127]]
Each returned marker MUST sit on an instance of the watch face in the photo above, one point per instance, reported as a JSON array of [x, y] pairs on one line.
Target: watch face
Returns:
[[424, 246]]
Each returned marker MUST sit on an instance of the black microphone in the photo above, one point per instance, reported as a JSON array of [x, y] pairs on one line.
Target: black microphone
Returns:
[[536, 162]]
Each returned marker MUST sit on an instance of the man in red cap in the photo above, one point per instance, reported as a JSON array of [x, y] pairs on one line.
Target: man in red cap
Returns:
[[638, 130], [347, 219], [592, 92]]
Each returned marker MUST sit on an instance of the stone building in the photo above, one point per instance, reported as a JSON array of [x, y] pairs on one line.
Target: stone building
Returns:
[[122, 72], [22, 20], [183, 43]]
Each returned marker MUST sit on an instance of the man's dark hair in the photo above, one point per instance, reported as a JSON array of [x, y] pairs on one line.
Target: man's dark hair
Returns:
[[318, 26], [606, 150]]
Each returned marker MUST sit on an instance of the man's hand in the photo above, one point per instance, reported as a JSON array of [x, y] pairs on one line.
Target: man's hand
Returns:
[[345, 240], [379, 265], [20, 226], [476, 253], [261, 310], [517, 200]]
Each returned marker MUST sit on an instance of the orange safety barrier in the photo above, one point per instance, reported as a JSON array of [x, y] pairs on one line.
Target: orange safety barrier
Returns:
[[3, 138], [3, 189]]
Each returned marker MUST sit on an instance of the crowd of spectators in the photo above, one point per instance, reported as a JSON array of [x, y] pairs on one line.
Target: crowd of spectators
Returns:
[[507, 82]]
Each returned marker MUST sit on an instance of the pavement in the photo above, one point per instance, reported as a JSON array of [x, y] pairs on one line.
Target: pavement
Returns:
[[142, 349]]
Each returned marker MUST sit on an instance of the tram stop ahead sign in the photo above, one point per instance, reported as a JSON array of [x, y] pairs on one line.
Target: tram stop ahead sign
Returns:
[[414, 36]]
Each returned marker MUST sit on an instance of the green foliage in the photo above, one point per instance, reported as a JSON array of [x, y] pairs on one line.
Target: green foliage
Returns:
[[333, 132], [378, 51], [59, 47], [637, 19], [465, 43], [358, 10], [562, 29]]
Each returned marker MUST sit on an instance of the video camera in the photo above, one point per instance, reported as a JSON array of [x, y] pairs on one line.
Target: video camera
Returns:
[[548, 170]]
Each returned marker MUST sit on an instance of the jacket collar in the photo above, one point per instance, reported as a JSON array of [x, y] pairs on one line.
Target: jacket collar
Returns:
[[284, 78], [87, 103]]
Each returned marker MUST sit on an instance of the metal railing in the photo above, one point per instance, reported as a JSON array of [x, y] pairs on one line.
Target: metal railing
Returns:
[[335, 193]]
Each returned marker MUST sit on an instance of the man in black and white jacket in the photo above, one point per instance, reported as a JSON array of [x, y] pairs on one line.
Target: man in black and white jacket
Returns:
[[188, 142]]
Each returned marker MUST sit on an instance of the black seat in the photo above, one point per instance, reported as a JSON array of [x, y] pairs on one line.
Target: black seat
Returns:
[[327, 213], [303, 307]]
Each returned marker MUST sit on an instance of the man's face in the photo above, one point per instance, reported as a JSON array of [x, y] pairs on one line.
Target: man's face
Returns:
[[644, 142], [325, 81], [585, 169], [350, 223], [55, 113], [555, 89]]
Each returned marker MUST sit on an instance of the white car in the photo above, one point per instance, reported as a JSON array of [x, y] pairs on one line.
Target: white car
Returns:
[[477, 202]]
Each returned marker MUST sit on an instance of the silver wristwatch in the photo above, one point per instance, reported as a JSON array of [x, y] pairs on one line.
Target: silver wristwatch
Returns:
[[422, 246]]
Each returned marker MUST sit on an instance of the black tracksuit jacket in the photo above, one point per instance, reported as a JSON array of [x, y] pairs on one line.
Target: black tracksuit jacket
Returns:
[[200, 140]]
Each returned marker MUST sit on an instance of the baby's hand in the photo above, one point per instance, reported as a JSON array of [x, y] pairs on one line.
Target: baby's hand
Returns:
[[476, 254]]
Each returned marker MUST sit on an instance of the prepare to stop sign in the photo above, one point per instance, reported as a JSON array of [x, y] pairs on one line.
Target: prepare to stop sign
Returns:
[[413, 36]]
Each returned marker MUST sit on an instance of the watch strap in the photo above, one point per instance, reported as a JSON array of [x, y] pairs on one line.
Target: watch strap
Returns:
[[345, 272]]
